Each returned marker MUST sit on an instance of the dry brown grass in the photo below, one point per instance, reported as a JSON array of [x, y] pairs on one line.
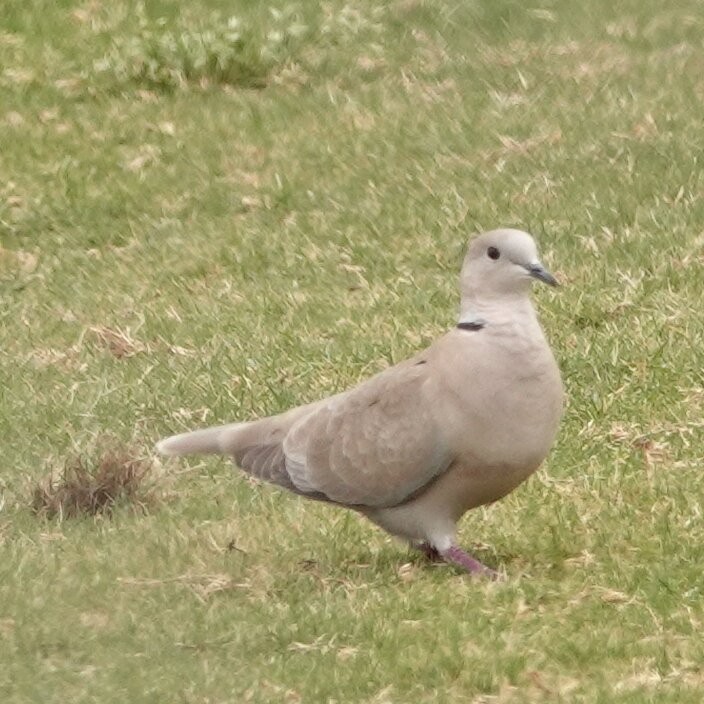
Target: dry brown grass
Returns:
[[95, 485]]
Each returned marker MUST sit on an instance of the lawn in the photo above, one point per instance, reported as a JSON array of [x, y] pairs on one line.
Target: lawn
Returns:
[[205, 219]]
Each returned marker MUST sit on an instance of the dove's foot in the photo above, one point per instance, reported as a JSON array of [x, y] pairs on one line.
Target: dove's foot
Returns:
[[455, 555], [431, 554]]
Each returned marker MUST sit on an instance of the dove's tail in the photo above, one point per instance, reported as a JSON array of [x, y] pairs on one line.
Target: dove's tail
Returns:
[[209, 441]]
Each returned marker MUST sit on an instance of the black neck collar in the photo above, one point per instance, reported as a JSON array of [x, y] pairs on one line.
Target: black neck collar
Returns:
[[471, 326]]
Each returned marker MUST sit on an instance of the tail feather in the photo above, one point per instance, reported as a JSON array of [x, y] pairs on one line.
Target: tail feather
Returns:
[[199, 442]]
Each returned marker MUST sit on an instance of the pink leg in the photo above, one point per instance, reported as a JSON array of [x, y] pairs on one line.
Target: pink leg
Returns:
[[456, 556]]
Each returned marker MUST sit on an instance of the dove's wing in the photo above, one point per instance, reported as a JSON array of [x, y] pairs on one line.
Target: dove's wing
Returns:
[[375, 445]]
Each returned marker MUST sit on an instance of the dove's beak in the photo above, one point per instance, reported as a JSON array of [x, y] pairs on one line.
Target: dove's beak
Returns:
[[538, 271]]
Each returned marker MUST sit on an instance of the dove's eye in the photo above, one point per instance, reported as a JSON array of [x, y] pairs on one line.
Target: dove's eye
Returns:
[[493, 253]]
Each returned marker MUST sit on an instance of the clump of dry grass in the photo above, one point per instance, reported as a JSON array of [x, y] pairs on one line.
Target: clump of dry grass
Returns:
[[92, 486]]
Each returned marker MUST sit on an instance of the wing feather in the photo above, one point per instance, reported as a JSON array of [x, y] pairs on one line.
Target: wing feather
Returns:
[[375, 445]]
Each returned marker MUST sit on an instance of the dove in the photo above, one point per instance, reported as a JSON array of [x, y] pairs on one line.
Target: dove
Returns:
[[413, 448]]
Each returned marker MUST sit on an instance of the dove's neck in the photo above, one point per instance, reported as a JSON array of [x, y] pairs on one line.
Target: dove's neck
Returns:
[[498, 311]]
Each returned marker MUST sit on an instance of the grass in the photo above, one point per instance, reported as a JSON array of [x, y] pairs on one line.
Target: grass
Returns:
[[85, 488], [205, 248]]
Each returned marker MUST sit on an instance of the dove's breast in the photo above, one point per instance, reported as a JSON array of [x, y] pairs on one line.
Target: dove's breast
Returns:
[[501, 403]]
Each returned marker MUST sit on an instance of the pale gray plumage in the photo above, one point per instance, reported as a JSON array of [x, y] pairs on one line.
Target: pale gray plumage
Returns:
[[459, 425]]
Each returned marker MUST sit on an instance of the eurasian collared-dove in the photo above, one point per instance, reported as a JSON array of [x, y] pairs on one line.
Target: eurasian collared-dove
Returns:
[[458, 425]]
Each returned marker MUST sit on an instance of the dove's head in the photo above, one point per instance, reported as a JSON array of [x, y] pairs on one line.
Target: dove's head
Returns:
[[502, 263]]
